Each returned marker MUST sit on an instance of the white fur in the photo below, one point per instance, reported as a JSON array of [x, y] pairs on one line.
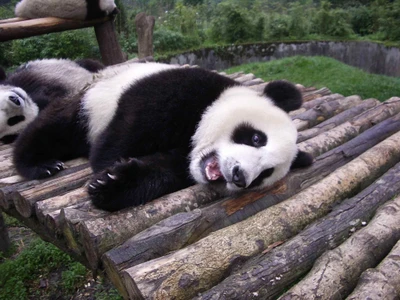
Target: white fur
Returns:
[[242, 105], [8, 109], [100, 102], [67, 9], [67, 73]]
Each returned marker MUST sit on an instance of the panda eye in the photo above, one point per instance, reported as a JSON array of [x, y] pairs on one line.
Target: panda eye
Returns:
[[256, 139]]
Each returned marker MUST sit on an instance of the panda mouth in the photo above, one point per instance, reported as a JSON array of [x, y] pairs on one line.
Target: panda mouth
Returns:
[[211, 168]]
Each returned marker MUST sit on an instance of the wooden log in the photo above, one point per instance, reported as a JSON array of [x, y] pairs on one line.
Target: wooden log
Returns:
[[335, 273], [47, 206], [311, 95], [324, 111], [253, 82], [100, 235], [382, 282], [274, 271], [19, 183], [4, 238], [337, 120], [348, 130], [32, 27], [191, 226], [24, 200], [245, 77], [313, 103], [144, 29], [69, 222], [201, 265], [107, 39]]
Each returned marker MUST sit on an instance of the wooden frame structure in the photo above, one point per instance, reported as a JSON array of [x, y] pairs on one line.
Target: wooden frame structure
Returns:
[[18, 28]]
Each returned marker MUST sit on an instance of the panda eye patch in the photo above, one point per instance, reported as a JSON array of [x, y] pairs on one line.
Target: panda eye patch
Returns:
[[248, 135]]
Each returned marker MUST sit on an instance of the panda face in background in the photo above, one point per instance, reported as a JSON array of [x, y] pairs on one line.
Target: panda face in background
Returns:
[[243, 141], [16, 110]]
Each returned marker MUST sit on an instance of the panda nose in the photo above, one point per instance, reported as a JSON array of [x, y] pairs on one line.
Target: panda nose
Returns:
[[238, 177], [15, 100]]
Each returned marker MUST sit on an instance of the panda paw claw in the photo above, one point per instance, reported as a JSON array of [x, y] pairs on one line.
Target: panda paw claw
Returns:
[[107, 187], [49, 169]]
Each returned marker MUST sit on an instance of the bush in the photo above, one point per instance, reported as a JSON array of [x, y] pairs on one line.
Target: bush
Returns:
[[167, 40], [362, 20], [332, 22], [278, 26]]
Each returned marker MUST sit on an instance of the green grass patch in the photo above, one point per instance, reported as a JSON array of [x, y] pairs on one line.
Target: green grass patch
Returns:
[[327, 72]]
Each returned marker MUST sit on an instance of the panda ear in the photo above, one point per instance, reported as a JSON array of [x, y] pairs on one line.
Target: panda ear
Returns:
[[3, 75], [284, 94], [302, 160]]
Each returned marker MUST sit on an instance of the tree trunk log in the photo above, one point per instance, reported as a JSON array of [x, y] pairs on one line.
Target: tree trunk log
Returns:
[[383, 282], [274, 271], [100, 235], [144, 29], [4, 239], [24, 200], [107, 39], [313, 103], [201, 265], [335, 273], [324, 111], [337, 120]]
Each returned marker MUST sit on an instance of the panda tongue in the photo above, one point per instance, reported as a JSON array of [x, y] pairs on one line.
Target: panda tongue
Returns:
[[212, 169]]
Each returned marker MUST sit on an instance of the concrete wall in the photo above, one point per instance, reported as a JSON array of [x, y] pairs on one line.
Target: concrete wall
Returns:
[[371, 57]]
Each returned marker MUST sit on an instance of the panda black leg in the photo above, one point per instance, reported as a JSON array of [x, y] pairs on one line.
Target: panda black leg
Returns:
[[138, 181], [302, 160]]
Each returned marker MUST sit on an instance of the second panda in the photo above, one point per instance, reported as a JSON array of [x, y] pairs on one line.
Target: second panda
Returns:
[[153, 129]]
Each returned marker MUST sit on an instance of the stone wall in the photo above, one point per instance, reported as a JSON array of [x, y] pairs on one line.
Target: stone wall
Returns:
[[371, 57]]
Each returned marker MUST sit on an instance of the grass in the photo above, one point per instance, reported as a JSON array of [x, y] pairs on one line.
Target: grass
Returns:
[[327, 72], [40, 270]]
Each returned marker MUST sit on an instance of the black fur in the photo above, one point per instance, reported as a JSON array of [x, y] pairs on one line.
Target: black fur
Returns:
[[285, 95], [90, 64], [247, 135], [94, 11], [142, 154]]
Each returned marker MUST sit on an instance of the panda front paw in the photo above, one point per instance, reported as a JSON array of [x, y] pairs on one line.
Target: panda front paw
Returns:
[[116, 187], [42, 170]]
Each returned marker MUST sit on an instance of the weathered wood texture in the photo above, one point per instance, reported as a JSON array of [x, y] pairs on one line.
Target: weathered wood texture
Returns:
[[4, 239], [144, 29], [19, 28], [193, 243]]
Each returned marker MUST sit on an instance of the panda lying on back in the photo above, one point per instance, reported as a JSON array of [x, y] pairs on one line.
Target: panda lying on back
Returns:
[[154, 129], [67, 9], [33, 85]]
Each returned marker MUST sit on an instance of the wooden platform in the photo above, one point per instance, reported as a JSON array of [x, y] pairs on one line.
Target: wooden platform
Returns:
[[19, 28], [193, 243]]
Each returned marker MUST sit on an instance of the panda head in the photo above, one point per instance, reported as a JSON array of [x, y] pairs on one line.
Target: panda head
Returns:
[[246, 140], [16, 110]]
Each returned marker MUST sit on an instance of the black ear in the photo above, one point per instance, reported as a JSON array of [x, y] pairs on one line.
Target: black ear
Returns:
[[284, 94], [3, 74], [91, 65], [302, 160]]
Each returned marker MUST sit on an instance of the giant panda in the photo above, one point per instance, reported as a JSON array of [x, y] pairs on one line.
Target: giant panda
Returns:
[[153, 129], [67, 9], [33, 85]]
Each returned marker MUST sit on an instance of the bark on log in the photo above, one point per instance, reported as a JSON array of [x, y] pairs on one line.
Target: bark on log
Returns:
[[100, 235], [6, 192], [267, 275], [191, 226], [324, 111], [337, 120], [313, 103], [335, 273], [244, 78], [383, 282], [308, 96], [32, 27], [4, 239], [201, 265], [24, 200], [107, 39], [348, 130], [46, 207], [144, 29]]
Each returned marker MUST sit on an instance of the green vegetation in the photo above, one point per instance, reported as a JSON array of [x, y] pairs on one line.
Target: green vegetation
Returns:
[[42, 271], [325, 72], [188, 24]]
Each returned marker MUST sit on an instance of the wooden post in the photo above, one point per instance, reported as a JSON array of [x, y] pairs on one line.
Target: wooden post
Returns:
[[144, 28], [4, 239], [110, 49]]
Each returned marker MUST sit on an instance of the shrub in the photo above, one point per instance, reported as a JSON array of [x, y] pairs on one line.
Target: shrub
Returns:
[[167, 40]]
